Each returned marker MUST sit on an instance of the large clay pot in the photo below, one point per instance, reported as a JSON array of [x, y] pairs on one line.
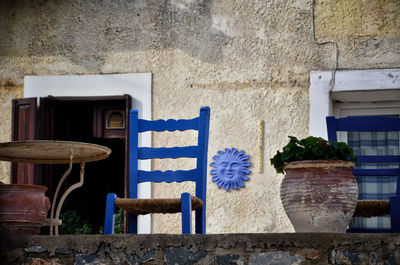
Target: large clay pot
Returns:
[[319, 195], [23, 208]]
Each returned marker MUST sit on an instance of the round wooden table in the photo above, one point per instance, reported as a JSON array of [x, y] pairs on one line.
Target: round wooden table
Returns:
[[54, 152]]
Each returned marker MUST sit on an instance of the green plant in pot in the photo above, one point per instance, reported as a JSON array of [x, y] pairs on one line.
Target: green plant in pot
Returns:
[[319, 192]]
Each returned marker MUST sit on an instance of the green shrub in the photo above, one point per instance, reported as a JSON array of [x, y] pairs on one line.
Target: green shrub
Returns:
[[311, 148], [119, 222], [73, 224]]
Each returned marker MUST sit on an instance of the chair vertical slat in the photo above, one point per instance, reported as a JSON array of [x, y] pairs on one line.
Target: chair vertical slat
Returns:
[[395, 213], [110, 214], [200, 214], [186, 205], [331, 126], [133, 166]]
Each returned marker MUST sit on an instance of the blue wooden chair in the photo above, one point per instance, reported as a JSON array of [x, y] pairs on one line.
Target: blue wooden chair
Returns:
[[374, 207], [187, 202]]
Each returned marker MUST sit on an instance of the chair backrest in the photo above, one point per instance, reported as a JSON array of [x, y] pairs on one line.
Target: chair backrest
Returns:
[[368, 124], [199, 151]]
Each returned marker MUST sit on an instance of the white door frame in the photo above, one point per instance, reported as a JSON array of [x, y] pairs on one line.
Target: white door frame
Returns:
[[137, 85]]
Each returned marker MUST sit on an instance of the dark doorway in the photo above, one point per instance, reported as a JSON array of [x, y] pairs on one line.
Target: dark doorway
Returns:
[[99, 120], [101, 178]]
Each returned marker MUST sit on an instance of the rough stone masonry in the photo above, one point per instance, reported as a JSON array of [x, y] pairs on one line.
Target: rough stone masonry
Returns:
[[282, 249]]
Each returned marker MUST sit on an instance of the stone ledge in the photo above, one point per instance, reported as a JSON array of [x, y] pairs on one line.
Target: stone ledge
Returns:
[[293, 248]]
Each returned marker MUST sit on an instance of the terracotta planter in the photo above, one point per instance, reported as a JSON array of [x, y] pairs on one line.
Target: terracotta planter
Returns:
[[23, 208], [319, 195]]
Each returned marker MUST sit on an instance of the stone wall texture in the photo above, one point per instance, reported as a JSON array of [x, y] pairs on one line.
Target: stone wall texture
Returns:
[[239, 249], [249, 60]]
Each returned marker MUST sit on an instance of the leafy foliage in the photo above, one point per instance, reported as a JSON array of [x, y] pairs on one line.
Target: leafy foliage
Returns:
[[119, 222], [73, 224], [311, 148]]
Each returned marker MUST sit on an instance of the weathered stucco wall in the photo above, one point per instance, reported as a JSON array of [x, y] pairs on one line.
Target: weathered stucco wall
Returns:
[[8, 91], [247, 60], [367, 32]]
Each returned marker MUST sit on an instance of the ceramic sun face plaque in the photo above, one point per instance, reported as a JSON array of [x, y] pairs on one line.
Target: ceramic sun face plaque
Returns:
[[230, 169]]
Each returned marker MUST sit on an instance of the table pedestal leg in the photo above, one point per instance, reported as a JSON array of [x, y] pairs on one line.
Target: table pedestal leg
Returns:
[[68, 191], [53, 205]]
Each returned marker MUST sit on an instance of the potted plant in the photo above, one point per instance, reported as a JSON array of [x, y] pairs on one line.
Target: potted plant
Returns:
[[319, 192]]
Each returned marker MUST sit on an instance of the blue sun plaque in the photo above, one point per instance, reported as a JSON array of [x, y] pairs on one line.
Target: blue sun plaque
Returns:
[[230, 169]]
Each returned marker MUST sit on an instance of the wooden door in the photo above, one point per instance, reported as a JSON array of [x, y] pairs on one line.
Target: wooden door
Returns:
[[46, 175], [24, 116]]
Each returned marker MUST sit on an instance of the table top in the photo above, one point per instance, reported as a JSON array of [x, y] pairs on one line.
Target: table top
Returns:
[[52, 152]]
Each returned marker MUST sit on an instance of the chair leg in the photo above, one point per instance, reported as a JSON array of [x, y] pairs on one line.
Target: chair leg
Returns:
[[395, 213], [132, 223], [186, 205], [200, 220], [110, 214]]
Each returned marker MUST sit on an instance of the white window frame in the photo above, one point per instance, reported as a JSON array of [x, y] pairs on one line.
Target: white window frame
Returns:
[[374, 88]]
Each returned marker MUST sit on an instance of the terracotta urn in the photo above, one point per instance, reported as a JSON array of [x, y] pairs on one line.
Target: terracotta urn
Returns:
[[23, 208], [319, 195]]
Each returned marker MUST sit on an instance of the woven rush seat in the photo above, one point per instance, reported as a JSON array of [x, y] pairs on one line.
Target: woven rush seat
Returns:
[[370, 208], [146, 206]]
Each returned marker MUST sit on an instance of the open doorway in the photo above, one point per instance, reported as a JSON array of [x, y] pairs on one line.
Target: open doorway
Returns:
[[84, 120], [97, 120], [101, 178], [136, 85]]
